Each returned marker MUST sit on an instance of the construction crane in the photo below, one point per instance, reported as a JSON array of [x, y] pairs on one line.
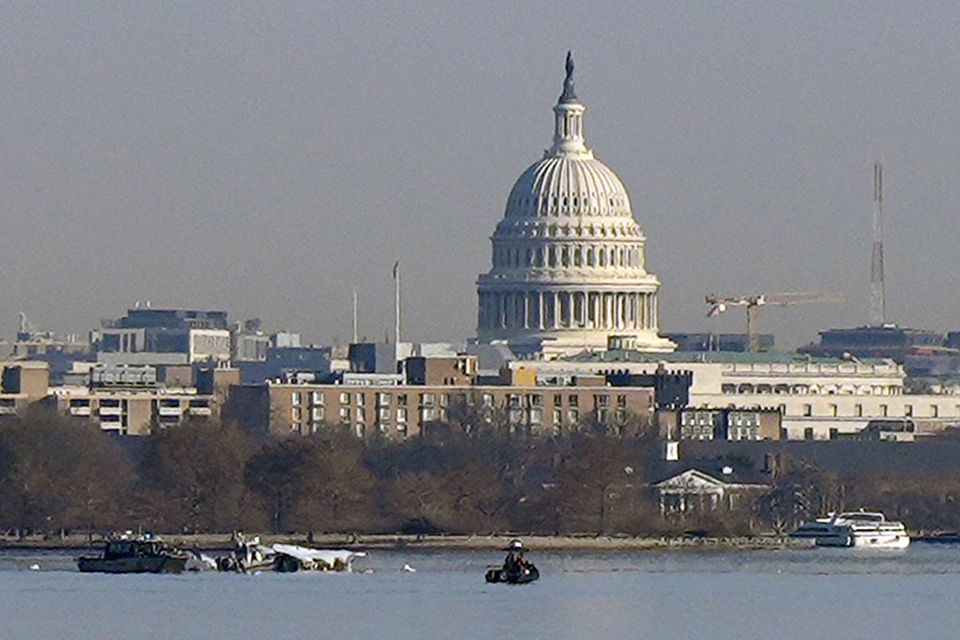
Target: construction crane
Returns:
[[754, 304]]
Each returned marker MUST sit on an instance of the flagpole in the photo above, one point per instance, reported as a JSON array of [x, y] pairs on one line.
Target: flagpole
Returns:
[[396, 283], [355, 332]]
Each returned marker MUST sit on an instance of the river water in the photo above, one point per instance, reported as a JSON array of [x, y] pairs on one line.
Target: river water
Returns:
[[817, 593]]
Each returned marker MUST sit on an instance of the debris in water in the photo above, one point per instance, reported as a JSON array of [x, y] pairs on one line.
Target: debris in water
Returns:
[[35, 567], [408, 568]]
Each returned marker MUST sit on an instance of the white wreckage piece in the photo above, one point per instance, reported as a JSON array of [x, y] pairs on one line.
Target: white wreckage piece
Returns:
[[250, 556]]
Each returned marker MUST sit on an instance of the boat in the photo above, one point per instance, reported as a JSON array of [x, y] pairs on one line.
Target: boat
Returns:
[[142, 554], [525, 575], [249, 556], [862, 529], [516, 569]]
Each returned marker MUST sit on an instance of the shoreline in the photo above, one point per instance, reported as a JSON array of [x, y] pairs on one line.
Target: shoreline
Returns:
[[443, 542]]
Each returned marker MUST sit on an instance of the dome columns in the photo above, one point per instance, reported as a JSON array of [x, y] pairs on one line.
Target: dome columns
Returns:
[[504, 312]]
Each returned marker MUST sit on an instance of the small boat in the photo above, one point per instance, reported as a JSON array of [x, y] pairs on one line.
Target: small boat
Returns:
[[143, 554], [862, 529], [516, 569], [249, 556]]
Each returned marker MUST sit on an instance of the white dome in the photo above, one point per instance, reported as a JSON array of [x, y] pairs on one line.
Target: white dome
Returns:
[[568, 185], [568, 269]]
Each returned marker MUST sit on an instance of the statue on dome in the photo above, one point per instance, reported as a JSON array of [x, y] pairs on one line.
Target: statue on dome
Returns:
[[569, 95]]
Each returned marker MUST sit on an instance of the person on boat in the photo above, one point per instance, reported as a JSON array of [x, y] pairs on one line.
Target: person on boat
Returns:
[[514, 562]]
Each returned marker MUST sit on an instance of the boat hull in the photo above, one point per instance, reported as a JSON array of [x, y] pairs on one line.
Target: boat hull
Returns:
[[865, 541], [525, 576], [132, 565]]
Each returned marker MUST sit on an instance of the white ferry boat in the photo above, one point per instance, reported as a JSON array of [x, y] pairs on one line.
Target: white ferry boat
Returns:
[[855, 529]]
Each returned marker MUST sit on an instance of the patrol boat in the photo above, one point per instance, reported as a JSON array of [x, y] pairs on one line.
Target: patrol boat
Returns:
[[143, 554]]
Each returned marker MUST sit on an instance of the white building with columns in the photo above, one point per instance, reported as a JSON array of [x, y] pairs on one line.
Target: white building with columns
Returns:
[[568, 269]]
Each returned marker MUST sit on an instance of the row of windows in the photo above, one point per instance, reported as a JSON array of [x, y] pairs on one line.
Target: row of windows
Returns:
[[547, 205], [883, 410], [565, 256], [811, 389], [383, 399]]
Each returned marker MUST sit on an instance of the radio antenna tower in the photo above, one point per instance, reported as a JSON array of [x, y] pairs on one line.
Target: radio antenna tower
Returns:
[[878, 303]]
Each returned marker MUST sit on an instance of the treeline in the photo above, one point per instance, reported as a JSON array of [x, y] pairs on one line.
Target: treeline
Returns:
[[59, 476]]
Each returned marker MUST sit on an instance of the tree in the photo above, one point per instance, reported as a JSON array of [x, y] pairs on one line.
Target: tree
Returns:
[[597, 483], [60, 474], [318, 482], [802, 493], [195, 478]]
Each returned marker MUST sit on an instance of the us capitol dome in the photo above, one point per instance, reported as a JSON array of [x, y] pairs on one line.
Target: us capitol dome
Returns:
[[568, 270]]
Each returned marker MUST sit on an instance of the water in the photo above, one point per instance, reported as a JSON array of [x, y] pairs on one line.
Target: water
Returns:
[[821, 593]]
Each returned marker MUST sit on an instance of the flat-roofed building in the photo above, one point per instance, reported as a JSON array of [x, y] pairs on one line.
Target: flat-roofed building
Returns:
[[383, 405], [816, 397], [135, 412]]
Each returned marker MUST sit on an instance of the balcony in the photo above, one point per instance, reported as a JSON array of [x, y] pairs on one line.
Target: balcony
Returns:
[[110, 411], [82, 411], [200, 411], [175, 411]]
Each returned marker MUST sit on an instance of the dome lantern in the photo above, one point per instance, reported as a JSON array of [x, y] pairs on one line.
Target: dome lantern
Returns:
[[568, 119]]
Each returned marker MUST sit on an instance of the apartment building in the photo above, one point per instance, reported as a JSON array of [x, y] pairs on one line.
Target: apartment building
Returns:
[[443, 389]]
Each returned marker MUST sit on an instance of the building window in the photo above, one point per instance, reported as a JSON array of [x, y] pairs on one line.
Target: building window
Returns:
[[883, 410], [345, 414], [319, 413], [401, 415], [295, 399], [361, 414], [383, 399], [317, 397], [622, 402], [402, 400], [574, 401], [361, 400], [602, 400], [833, 410], [557, 399], [344, 398], [296, 415], [807, 410], [934, 411], [908, 410], [858, 410], [426, 399], [574, 415]]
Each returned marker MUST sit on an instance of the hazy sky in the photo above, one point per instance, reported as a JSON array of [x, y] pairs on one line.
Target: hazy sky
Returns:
[[266, 158]]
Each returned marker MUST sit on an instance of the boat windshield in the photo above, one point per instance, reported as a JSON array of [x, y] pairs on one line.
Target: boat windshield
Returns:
[[861, 515]]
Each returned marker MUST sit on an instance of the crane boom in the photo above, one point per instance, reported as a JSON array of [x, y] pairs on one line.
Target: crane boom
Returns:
[[755, 302]]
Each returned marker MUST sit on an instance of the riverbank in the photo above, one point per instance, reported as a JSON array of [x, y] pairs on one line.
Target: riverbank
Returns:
[[432, 542]]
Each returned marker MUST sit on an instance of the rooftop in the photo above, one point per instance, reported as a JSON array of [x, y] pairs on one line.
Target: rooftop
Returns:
[[714, 357]]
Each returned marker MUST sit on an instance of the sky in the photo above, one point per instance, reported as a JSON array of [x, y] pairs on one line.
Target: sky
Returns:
[[267, 158]]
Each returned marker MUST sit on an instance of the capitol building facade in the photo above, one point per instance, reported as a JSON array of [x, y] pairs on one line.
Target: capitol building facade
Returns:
[[568, 271]]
